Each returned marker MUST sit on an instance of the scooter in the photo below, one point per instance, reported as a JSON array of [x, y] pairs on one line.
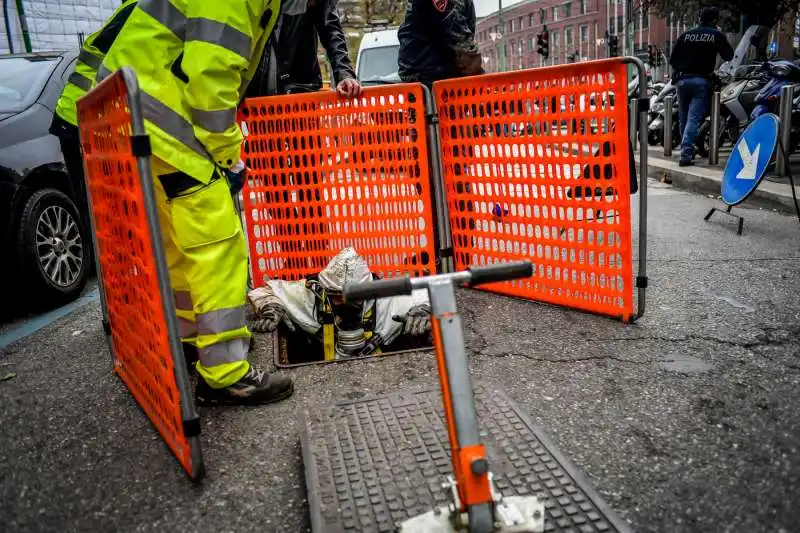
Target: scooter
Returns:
[[737, 100], [782, 74], [655, 117]]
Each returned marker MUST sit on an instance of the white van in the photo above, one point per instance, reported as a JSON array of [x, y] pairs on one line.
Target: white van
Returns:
[[377, 58]]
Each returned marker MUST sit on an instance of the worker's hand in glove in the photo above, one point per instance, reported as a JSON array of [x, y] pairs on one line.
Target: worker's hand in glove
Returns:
[[236, 176], [417, 321], [469, 63], [268, 319]]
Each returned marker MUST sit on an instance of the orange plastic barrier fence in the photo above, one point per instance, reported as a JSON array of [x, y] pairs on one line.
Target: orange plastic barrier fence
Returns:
[[131, 264], [536, 167], [327, 173]]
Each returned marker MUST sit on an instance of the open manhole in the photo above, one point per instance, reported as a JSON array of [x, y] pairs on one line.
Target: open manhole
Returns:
[[298, 348]]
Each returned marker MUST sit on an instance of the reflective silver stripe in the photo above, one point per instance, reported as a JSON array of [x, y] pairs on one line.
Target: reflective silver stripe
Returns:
[[211, 31], [187, 328], [172, 123], [214, 121], [90, 59], [81, 81], [183, 300], [102, 73], [167, 14], [230, 351], [221, 320]]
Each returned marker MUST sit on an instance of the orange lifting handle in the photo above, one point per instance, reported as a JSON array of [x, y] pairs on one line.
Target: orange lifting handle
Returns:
[[470, 464]]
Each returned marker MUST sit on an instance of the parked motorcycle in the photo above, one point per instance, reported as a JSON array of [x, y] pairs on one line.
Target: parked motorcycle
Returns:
[[782, 74], [737, 100], [655, 117], [755, 91]]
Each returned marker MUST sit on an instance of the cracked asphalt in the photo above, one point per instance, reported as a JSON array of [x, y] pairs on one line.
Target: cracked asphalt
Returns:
[[684, 421]]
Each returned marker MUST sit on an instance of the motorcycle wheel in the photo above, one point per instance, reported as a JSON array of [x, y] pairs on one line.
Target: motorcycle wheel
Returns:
[[654, 138], [703, 141]]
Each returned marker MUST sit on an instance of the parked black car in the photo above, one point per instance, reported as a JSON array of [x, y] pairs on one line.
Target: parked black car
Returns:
[[46, 250]]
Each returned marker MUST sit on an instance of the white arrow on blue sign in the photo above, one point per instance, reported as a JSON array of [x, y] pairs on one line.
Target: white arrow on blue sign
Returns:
[[749, 160]]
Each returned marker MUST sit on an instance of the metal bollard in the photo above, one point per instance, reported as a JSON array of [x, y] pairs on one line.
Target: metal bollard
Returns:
[[668, 103], [713, 134], [787, 95], [633, 115]]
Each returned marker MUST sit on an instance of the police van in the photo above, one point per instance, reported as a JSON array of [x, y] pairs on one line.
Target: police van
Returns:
[[376, 63]]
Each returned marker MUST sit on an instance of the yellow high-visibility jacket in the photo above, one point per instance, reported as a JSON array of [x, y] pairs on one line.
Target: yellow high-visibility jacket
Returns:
[[91, 56], [193, 60]]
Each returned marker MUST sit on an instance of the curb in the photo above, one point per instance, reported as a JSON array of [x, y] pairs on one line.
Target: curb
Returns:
[[704, 180]]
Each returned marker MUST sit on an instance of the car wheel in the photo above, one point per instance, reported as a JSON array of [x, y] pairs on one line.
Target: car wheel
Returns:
[[55, 247]]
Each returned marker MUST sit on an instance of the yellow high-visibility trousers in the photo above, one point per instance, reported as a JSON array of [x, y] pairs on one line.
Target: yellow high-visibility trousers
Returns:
[[207, 259]]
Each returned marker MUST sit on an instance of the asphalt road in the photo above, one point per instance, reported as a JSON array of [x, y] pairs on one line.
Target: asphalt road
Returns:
[[686, 421]]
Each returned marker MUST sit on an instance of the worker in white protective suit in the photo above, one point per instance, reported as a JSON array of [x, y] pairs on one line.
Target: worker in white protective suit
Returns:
[[345, 329]]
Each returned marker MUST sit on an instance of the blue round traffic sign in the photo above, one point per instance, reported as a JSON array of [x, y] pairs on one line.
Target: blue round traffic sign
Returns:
[[750, 158]]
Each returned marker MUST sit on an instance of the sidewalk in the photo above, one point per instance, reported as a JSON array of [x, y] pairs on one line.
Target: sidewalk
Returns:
[[772, 193]]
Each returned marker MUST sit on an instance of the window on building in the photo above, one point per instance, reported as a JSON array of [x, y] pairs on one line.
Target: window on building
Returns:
[[542, 16], [513, 48], [584, 6], [519, 24], [555, 38], [584, 34], [568, 37], [530, 20], [568, 10], [554, 13], [611, 29], [531, 44], [620, 24], [645, 19]]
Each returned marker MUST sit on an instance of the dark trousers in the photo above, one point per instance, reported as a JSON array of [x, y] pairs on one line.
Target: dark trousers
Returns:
[[694, 97], [73, 159]]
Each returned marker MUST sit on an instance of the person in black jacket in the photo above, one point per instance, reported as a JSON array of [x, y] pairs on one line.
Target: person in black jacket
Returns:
[[290, 65], [693, 60], [437, 41]]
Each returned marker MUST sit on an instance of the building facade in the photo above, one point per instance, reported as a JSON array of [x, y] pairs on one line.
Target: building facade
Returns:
[[577, 30]]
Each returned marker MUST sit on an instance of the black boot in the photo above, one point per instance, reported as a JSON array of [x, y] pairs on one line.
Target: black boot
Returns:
[[255, 388]]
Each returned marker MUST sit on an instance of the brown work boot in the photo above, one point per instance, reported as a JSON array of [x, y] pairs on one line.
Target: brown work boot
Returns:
[[257, 387]]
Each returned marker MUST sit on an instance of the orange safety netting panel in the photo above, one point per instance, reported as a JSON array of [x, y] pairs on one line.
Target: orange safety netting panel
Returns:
[[536, 167], [326, 173], [140, 335]]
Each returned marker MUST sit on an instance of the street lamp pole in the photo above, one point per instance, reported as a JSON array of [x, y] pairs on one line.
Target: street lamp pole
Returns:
[[501, 27]]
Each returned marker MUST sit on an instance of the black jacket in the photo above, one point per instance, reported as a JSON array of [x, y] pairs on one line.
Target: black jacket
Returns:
[[291, 55], [695, 53], [437, 41]]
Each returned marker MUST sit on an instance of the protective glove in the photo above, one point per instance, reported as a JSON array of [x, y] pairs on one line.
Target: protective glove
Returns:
[[236, 176], [417, 321], [268, 319], [469, 63]]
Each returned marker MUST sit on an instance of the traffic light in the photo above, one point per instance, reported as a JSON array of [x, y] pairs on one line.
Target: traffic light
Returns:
[[543, 44], [613, 46], [652, 54]]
